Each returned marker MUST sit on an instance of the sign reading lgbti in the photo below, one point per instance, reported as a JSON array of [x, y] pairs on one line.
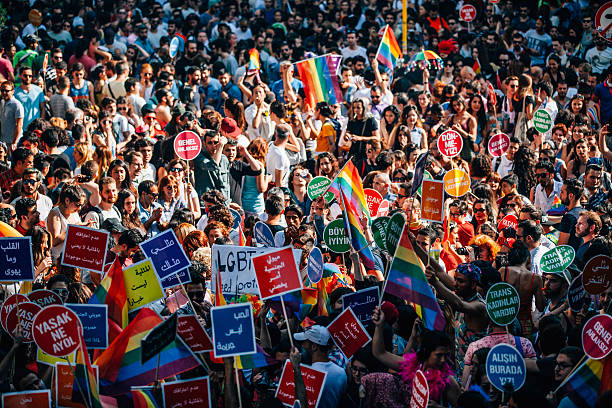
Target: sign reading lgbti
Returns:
[[16, 259], [276, 273], [233, 330], [85, 248]]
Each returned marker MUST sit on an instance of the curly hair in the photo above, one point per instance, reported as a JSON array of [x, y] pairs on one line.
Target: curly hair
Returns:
[[524, 167], [485, 240]]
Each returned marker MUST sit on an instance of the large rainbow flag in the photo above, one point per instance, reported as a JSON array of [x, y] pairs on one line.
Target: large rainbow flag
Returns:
[[407, 280], [318, 75], [587, 382], [111, 291], [253, 61], [86, 377], [389, 50]]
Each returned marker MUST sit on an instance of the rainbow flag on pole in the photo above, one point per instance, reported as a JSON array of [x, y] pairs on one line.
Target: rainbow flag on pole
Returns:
[[253, 61], [349, 182], [318, 75], [111, 292], [389, 50], [587, 382], [144, 397], [407, 280], [86, 377]]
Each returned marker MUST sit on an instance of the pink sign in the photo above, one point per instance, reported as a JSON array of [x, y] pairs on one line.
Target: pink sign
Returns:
[[597, 336], [467, 13], [276, 273], [420, 391], [56, 330], [85, 248], [450, 143], [498, 144], [187, 145], [193, 393], [44, 297], [9, 304], [313, 381], [348, 333], [191, 331], [508, 221], [24, 316], [373, 199]]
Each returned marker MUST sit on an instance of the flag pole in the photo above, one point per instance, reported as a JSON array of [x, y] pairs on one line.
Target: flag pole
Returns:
[[287, 321], [569, 375], [78, 383], [238, 381]]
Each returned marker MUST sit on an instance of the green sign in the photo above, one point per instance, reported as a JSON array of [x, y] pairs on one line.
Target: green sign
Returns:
[[318, 186], [394, 232], [557, 259], [542, 121], [426, 176], [503, 303], [336, 238], [379, 230]]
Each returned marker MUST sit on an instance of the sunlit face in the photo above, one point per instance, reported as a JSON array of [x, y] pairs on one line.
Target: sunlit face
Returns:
[[476, 104], [412, 117], [118, 173], [214, 233], [136, 166], [480, 212], [389, 117], [293, 219], [577, 105], [109, 193], [130, 204], [325, 166], [582, 151]]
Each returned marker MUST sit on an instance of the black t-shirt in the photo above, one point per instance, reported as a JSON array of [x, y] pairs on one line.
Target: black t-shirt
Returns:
[[361, 128], [568, 225], [238, 169], [518, 105]]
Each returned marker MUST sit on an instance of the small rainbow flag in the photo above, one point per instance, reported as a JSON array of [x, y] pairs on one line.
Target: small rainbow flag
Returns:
[[144, 397], [407, 280], [349, 182], [86, 377], [352, 223], [587, 382], [557, 207], [253, 61], [320, 80], [111, 291], [389, 50]]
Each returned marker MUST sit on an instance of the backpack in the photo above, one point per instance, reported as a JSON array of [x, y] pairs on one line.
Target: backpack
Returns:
[[101, 217]]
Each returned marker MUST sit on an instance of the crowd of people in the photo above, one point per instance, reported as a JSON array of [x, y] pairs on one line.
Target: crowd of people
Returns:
[[93, 96]]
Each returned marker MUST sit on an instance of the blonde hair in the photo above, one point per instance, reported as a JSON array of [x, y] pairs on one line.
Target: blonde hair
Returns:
[[84, 150], [183, 230]]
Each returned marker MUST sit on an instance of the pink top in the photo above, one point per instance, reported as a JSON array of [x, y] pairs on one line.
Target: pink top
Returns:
[[495, 339]]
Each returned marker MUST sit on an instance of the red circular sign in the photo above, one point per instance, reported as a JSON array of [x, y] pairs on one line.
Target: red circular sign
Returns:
[[8, 305], [44, 298], [24, 315], [420, 391], [597, 274], [498, 144], [56, 330], [597, 336], [384, 208], [187, 145], [467, 13], [450, 143], [603, 20], [508, 221], [373, 200]]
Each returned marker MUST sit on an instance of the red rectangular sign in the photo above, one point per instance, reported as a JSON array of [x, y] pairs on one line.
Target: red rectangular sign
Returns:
[[63, 386], [191, 331], [38, 399], [85, 248], [277, 273], [348, 333], [194, 393], [313, 381]]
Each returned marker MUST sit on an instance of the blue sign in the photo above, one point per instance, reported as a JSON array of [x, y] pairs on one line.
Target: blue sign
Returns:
[[233, 330], [237, 218], [263, 235], [174, 47], [576, 295], [168, 258], [362, 303], [505, 365], [94, 319], [315, 265], [16, 259]]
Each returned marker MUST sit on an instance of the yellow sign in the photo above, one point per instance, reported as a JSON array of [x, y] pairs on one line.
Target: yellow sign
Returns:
[[456, 183], [42, 357], [142, 285]]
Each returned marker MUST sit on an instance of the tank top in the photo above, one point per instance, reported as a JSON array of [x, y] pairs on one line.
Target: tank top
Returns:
[[252, 199], [56, 251], [79, 93]]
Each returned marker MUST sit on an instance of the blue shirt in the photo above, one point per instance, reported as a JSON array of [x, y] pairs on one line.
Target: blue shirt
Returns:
[[31, 103], [211, 92], [232, 91], [277, 88], [334, 386], [604, 92]]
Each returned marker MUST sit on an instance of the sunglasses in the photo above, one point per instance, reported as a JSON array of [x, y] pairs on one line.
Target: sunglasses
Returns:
[[399, 179], [479, 210], [28, 181], [61, 292], [176, 169]]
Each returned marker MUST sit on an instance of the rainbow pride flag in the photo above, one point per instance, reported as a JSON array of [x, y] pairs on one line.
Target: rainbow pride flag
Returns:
[[120, 364], [407, 280], [144, 397], [86, 377], [255, 360], [299, 302], [320, 80], [111, 292], [349, 182], [253, 61], [389, 50], [352, 223], [587, 382]]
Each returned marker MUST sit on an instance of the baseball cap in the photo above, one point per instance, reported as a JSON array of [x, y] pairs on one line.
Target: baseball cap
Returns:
[[317, 334], [230, 128]]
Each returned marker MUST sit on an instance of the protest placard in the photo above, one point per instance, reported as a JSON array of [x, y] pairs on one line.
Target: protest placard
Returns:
[[432, 208], [187, 145], [56, 330], [192, 393], [419, 396], [317, 187], [556, 260], [379, 231], [16, 259], [505, 365], [158, 338], [263, 234], [277, 273], [20, 399], [176, 300], [168, 258], [362, 303], [373, 200], [44, 297], [456, 182], [193, 334], [233, 330], [597, 274], [142, 285], [498, 144], [237, 218], [394, 231], [348, 333], [336, 238], [597, 336], [9, 304], [450, 143], [64, 383], [236, 267], [313, 382], [315, 265], [542, 121], [94, 320], [503, 303], [85, 248], [576, 295], [24, 315], [509, 221], [44, 358]]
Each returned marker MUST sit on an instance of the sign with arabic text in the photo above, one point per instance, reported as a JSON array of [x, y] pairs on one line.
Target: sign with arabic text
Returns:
[[64, 384], [16, 259], [556, 260], [38, 399], [313, 382], [597, 274], [193, 334], [168, 258], [142, 285], [85, 248], [277, 273], [233, 330], [263, 234], [192, 393], [433, 201], [363, 303], [94, 319], [158, 338], [348, 333]]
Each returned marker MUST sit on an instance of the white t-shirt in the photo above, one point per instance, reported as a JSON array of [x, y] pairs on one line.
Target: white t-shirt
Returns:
[[541, 200], [505, 166], [277, 159], [43, 205], [266, 126]]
